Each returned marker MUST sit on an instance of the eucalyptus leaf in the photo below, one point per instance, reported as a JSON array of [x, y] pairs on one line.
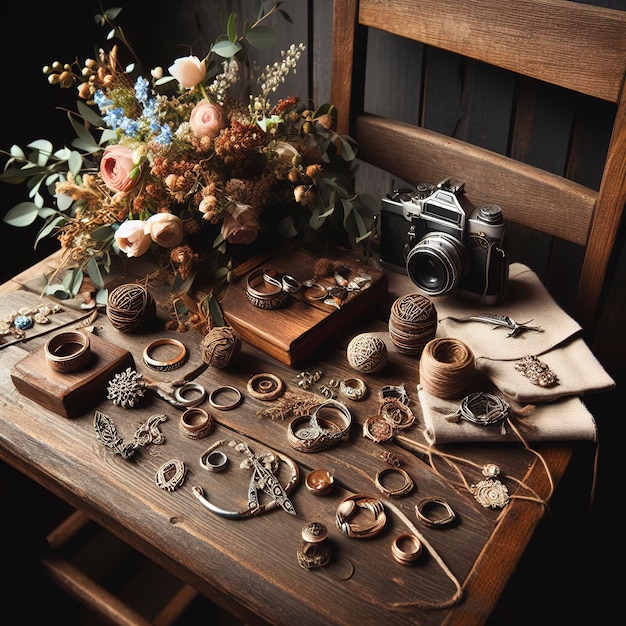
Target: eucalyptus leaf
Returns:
[[81, 132], [102, 233], [60, 292], [226, 49], [22, 214], [261, 37], [215, 311], [88, 114], [93, 270], [231, 28], [17, 152], [13, 176], [43, 150], [63, 202], [102, 297], [75, 162]]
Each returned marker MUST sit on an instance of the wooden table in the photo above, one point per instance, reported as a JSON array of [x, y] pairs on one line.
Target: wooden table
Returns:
[[249, 566]]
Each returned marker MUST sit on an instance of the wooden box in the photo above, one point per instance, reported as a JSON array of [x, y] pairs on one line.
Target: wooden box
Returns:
[[69, 394], [295, 331]]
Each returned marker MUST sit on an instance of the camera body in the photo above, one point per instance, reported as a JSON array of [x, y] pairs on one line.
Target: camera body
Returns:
[[444, 242]]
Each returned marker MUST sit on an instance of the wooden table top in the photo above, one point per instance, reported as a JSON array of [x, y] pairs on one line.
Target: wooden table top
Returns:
[[250, 566]]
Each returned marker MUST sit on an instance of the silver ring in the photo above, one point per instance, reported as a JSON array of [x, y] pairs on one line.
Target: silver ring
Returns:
[[284, 282], [214, 461], [225, 390], [198, 394]]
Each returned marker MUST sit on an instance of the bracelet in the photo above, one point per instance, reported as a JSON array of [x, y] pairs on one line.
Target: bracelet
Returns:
[[347, 509], [403, 490], [330, 429], [68, 351], [165, 366], [264, 299], [432, 522], [225, 390], [196, 423], [195, 388], [265, 386], [406, 548]]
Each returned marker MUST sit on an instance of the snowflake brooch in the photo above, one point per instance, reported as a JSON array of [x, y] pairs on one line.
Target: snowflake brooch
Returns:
[[127, 388]]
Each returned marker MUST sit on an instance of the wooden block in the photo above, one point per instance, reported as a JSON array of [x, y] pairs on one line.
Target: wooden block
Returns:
[[69, 394], [295, 331]]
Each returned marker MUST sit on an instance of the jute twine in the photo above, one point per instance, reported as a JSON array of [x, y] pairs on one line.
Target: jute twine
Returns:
[[446, 368], [412, 323], [220, 346], [367, 353], [129, 306]]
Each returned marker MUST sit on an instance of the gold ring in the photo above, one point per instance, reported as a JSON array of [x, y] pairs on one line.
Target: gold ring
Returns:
[[402, 490], [196, 423], [406, 548], [68, 351], [429, 504], [165, 366]]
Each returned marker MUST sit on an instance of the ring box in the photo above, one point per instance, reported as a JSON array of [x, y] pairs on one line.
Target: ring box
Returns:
[[69, 394]]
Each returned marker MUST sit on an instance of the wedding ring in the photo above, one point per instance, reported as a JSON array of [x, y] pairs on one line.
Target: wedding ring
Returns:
[[406, 548], [265, 298], [196, 423], [226, 390], [402, 490], [427, 504], [350, 507], [198, 394], [68, 351], [171, 364], [214, 460], [265, 386]]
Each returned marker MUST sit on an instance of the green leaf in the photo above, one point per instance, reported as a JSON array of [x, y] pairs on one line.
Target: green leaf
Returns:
[[215, 311], [88, 114], [231, 28], [17, 152], [286, 227], [102, 233], [63, 202], [90, 146], [60, 292], [111, 14], [261, 37], [13, 176], [108, 135], [347, 153], [48, 228], [80, 130], [94, 273], [226, 49], [75, 162], [73, 280], [164, 80], [102, 297], [43, 151], [22, 214]]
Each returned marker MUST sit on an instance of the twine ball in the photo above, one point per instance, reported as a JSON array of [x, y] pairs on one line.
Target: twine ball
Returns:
[[220, 346], [447, 368], [129, 306], [367, 353], [412, 323]]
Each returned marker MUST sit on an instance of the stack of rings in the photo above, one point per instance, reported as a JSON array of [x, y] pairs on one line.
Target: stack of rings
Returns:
[[282, 281], [196, 390], [402, 490], [350, 506], [264, 298], [265, 386], [393, 415], [165, 366], [196, 423], [68, 351], [406, 548], [314, 433]]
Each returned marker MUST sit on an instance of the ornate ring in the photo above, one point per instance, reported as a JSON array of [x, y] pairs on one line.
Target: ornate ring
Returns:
[[196, 423], [406, 548], [213, 460], [68, 351], [197, 390], [330, 428], [225, 390], [350, 506], [319, 482], [165, 366], [170, 475], [402, 490], [434, 522], [353, 388], [285, 281], [394, 391], [314, 532], [378, 429], [397, 412], [265, 386], [266, 299], [311, 555]]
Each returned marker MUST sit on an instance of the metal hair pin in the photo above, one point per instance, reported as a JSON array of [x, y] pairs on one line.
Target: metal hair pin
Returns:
[[516, 328]]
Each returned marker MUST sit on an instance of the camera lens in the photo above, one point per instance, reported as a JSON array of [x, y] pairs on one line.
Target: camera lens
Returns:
[[437, 263]]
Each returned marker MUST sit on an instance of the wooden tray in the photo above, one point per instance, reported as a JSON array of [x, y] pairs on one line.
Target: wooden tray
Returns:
[[294, 332]]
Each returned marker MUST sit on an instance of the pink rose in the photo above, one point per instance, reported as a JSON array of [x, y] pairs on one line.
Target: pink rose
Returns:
[[206, 119], [240, 224], [188, 71], [132, 238], [165, 229], [116, 166]]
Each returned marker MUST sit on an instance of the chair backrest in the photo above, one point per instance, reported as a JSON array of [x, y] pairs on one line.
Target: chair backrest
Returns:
[[467, 91]]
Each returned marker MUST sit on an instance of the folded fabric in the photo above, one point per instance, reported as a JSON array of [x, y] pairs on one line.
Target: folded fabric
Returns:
[[567, 419], [557, 344]]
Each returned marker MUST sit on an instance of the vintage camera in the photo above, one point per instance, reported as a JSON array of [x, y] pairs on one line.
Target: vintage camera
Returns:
[[443, 242]]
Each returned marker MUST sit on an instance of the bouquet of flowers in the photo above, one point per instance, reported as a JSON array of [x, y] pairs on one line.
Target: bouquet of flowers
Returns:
[[173, 165]]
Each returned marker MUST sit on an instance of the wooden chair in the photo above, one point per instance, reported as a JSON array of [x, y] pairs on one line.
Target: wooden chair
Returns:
[[524, 101]]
